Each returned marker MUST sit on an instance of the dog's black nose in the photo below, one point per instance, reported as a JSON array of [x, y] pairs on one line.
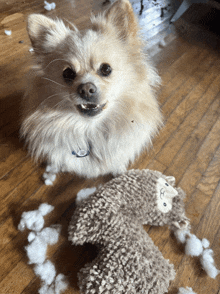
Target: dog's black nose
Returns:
[[87, 90]]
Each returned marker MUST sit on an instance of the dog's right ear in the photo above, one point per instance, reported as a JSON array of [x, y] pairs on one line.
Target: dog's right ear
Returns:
[[121, 15], [45, 33]]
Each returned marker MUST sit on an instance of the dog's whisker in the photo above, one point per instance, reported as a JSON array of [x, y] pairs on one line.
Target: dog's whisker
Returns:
[[53, 81], [59, 103], [72, 25], [45, 100], [63, 99], [54, 61]]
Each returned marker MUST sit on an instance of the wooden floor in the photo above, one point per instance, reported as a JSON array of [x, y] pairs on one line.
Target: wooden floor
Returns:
[[188, 147]]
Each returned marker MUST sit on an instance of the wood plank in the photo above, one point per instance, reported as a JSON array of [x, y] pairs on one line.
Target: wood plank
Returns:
[[17, 279], [17, 198], [175, 89], [204, 188], [189, 152], [11, 154], [201, 161], [186, 105], [211, 177], [11, 180], [192, 131]]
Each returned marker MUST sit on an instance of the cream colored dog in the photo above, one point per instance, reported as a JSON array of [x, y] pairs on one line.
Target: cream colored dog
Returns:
[[90, 108]]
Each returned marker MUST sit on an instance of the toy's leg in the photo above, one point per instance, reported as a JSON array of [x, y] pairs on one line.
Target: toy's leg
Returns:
[[50, 175]]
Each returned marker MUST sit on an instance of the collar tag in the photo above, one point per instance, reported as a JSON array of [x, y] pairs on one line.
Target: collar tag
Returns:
[[81, 153]]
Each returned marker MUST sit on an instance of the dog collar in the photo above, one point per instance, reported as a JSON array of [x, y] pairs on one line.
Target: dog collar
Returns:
[[81, 152]]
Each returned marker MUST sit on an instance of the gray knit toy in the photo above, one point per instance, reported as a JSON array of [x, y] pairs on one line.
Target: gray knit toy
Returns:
[[112, 218]]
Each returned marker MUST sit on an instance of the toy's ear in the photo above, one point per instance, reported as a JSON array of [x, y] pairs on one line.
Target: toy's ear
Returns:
[[121, 15], [45, 33], [171, 180]]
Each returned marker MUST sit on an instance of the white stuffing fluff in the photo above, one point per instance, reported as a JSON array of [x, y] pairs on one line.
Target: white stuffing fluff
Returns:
[[181, 235], [51, 234], [207, 262], [33, 220], [56, 287], [186, 290], [195, 247], [31, 50], [45, 289], [31, 237], [49, 6], [60, 284], [84, 193], [45, 208], [49, 178], [37, 249], [205, 243], [48, 182], [8, 32], [46, 272]]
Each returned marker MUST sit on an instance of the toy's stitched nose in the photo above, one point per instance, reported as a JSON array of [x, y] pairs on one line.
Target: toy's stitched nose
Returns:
[[87, 90]]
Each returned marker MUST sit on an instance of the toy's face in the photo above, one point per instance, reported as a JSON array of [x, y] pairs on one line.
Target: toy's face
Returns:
[[165, 194]]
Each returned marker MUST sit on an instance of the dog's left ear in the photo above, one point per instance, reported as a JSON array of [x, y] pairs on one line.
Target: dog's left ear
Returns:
[[121, 15], [45, 33]]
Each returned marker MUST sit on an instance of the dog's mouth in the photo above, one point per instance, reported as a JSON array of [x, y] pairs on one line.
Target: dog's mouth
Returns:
[[90, 109]]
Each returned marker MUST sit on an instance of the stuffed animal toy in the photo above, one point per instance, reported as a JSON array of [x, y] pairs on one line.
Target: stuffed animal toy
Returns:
[[112, 218]]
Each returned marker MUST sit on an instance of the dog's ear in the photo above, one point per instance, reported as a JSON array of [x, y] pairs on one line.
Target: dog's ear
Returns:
[[121, 15], [45, 33]]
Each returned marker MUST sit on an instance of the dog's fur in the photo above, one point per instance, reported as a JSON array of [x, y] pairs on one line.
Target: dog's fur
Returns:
[[54, 126]]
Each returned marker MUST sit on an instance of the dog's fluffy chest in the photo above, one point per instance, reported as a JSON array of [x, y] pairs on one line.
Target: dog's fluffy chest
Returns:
[[95, 154], [87, 149]]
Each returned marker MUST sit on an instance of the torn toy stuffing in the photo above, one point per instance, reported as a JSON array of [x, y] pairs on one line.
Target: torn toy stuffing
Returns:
[[186, 290], [37, 249], [46, 272], [84, 194], [33, 220], [195, 247], [52, 284], [8, 32], [49, 6], [207, 262], [57, 287]]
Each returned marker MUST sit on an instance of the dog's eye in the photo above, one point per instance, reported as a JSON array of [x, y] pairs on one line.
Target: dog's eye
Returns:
[[105, 69], [69, 74]]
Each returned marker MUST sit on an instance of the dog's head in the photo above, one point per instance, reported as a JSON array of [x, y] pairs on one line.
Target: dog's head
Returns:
[[87, 71]]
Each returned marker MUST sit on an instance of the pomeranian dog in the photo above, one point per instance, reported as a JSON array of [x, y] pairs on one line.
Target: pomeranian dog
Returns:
[[90, 107]]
